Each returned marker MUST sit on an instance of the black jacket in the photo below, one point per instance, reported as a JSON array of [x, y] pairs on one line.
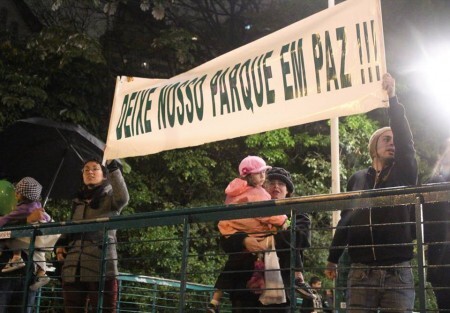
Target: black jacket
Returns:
[[374, 242], [316, 305], [243, 263], [437, 235]]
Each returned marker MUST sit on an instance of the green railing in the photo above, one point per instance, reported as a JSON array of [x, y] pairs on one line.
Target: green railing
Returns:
[[138, 293], [181, 287]]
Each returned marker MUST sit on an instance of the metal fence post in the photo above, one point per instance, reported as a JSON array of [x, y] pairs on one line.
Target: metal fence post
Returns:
[[38, 301], [293, 254], [119, 295], [155, 298], [420, 254], [101, 285], [29, 271], [184, 262]]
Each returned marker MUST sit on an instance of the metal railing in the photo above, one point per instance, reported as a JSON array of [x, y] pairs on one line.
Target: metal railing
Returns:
[[136, 293], [184, 278]]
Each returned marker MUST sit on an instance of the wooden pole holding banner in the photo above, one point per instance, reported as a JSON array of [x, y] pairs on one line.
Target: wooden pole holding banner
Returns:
[[335, 173], [338, 301]]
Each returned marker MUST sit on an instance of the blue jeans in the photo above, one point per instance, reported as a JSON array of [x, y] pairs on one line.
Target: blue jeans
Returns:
[[380, 289]]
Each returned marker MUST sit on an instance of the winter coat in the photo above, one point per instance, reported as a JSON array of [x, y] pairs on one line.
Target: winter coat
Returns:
[[238, 191], [367, 244], [21, 212], [243, 263], [84, 250]]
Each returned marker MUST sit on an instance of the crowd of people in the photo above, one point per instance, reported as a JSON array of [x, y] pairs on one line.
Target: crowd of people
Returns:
[[378, 240], [103, 194]]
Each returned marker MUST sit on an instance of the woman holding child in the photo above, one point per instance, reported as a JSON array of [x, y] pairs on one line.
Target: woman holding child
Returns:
[[242, 238]]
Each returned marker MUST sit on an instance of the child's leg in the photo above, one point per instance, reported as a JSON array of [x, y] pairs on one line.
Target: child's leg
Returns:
[[17, 254], [15, 263], [41, 269], [218, 293], [39, 261], [17, 246], [41, 280], [224, 281]]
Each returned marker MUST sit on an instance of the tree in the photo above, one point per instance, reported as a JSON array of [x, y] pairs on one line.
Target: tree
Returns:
[[57, 74]]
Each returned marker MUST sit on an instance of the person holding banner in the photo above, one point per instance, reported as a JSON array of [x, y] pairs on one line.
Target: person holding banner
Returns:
[[380, 239], [104, 194]]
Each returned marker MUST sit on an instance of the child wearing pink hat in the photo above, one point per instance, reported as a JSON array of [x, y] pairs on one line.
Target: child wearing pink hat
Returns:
[[249, 188], [246, 188]]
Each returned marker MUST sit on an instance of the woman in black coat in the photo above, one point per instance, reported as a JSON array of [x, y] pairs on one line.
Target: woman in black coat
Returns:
[[279, 185]]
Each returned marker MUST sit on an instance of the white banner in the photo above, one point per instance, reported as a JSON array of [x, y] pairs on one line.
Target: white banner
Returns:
[[325, 66]]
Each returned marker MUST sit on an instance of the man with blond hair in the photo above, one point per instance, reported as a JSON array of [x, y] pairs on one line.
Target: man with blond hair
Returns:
[[379, 239]]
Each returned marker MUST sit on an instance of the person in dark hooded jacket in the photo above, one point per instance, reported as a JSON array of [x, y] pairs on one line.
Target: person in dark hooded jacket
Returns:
[[380, 249]]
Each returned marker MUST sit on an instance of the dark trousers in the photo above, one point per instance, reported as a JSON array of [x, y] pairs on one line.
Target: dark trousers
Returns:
[[443, 299], [249, 303], [78, 296], [244, 302], [11, 295], [276, 308]]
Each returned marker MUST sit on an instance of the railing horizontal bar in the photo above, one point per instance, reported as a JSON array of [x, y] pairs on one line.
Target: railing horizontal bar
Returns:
[[329, 202]]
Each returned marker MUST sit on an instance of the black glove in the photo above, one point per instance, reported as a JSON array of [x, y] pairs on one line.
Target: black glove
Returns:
[[112, 166]]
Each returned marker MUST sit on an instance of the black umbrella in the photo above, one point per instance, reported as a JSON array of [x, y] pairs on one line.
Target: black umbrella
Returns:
[[51, 152]]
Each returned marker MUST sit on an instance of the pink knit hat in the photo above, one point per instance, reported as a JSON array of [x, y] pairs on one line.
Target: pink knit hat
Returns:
[[252, 164]]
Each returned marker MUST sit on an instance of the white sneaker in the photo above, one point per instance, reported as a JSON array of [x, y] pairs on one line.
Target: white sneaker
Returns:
[[40, 281], [13, 264]]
